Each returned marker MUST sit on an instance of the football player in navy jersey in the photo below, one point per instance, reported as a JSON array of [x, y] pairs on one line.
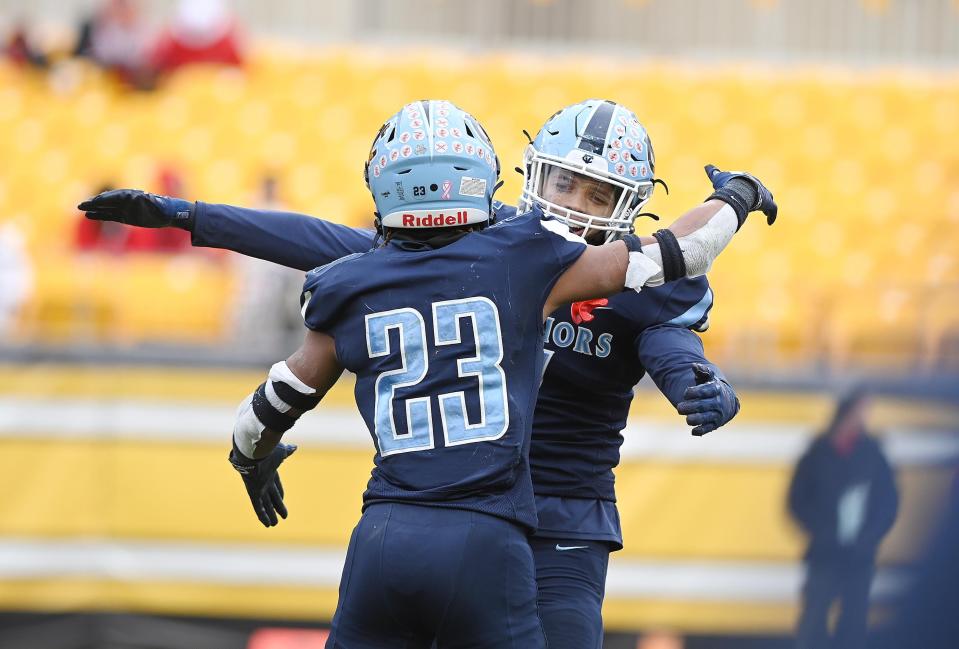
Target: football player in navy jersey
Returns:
[[591, 166]]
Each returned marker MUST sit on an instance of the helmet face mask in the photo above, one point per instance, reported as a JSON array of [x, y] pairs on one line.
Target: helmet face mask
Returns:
[[598, 142], [432, 166]]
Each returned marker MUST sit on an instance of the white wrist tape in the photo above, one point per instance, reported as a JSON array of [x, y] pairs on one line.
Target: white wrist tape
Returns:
[[700, 249], [644, 270], [266, 408], [247, 429]]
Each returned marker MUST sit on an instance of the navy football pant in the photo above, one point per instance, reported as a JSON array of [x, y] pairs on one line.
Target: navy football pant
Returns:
[[571, 581], [415, 573]]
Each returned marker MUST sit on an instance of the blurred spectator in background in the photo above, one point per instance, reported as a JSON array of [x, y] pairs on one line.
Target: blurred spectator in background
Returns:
[[267, 308], [202, 31], [16, 276], [117, 39], [22, 51], [843, 494]]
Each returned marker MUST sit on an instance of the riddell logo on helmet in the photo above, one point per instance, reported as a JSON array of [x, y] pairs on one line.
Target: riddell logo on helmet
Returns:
[[433, 220]]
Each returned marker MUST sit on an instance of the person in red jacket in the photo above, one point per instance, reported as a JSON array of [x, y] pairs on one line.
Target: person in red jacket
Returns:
[[202, 31]]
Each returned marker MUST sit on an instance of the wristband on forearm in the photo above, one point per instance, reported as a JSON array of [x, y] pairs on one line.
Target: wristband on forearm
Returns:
[[674, 266], [275, 405], [740, 194]]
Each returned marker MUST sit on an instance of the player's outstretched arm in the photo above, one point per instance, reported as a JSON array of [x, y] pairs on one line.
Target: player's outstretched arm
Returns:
[[686, 249], [292, 387], [284, 238]]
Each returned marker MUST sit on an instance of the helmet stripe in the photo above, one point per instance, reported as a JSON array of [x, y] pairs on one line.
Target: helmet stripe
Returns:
[[427, 106], [593, 138]]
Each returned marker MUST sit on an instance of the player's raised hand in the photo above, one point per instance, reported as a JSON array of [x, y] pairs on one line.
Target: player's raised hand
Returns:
[[763, 198], [262, 482], [710, 403], [136, 207]]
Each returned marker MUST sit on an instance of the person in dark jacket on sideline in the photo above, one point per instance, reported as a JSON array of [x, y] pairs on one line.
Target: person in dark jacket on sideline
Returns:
[[843, 495]]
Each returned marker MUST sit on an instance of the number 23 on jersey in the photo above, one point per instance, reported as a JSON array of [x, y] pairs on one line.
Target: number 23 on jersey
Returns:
[[449, 318]]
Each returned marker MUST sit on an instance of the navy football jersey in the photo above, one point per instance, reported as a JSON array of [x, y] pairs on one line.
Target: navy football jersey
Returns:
[[590, 374], [447, 349], [588, 384]]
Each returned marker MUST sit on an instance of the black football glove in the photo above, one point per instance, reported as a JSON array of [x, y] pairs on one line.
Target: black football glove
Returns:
[[263, 482], [710, 403], [136, 207], [753, 197]]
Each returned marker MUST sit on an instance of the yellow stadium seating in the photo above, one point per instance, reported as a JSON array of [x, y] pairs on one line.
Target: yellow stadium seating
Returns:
[[863, 164]]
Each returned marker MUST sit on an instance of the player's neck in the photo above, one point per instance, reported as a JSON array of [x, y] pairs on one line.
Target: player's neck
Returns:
[[427, 239]]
